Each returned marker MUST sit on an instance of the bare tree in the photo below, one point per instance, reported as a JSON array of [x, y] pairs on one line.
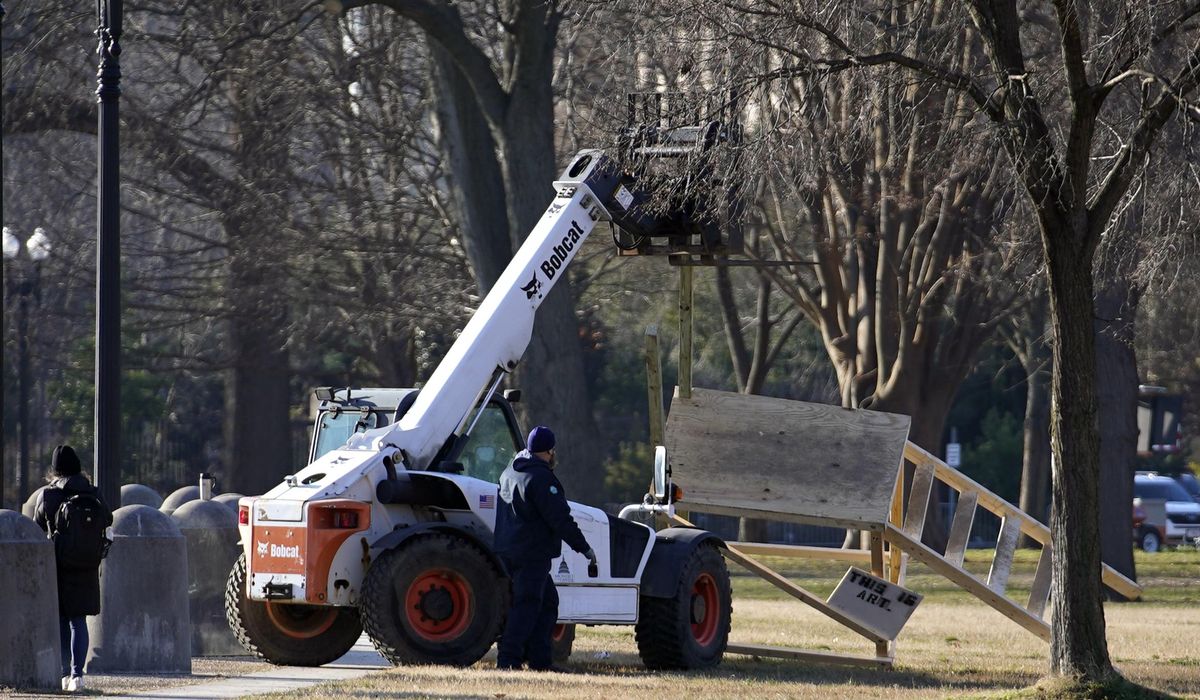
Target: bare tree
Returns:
[[1046, 77]]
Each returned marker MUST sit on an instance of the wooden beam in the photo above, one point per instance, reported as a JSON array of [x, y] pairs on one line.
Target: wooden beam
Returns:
[[801, 594], [881, 648], [1120, 583], [685, 332], [1006, 548], [758, 549], [960, 530], [896, 560], [918, 501], [972, 585], [654, 386], [1039, 592], [788, 587], [821, 657]]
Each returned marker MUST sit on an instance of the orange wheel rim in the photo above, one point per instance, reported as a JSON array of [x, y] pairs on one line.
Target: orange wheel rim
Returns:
[[705, 609], [559, 632], [438, 605], [301, 621]]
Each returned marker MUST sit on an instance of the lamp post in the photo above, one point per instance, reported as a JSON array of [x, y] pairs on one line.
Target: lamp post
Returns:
[[6, 234], [27, 257], [108, 256]]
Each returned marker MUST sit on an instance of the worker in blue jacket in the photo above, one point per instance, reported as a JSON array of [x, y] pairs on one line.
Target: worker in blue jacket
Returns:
[[532, 521]]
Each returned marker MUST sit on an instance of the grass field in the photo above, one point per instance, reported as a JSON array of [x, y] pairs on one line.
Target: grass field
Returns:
[[954, 646]]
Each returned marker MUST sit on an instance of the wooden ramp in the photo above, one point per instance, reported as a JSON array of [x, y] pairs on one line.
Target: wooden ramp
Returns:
[[761, 457]]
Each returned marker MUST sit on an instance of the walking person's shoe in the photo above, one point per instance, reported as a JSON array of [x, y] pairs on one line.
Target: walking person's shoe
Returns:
[[75, 685], [65, 681]]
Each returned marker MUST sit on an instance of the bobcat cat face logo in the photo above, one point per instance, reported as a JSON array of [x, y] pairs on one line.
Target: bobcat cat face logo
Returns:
[[262, 549], [533, 288]]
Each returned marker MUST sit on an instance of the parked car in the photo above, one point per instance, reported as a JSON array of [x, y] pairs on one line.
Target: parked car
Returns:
[[1191, 484], [1180, 515]]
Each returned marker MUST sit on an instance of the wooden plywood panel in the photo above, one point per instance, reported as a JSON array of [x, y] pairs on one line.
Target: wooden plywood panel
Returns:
[[772, 458]]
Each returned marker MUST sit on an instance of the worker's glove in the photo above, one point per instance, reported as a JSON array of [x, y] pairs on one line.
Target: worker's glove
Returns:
[[591, 555]]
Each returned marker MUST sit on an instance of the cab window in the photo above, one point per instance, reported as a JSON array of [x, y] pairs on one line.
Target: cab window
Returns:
[[335, 428], [491, 446]]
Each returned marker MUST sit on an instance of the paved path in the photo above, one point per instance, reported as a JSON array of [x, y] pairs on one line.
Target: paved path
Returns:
[[359, 661]]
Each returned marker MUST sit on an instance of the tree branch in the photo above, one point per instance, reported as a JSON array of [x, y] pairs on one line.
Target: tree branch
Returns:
[[442, 23], [1134, 152]]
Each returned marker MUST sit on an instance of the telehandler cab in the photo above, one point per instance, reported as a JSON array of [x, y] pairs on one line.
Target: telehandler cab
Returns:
[[391, 532]]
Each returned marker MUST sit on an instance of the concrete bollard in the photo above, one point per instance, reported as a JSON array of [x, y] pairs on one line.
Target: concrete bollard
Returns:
[[29, 650], [230, 500], [178, 497], [210, 529], [143, 622], [139, 495], [27, 508]]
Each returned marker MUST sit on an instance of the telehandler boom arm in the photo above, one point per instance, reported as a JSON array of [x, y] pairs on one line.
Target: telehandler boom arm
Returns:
[[497, 335]]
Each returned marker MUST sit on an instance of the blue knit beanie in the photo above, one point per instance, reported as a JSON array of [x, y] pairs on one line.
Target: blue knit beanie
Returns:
[[541, 439]]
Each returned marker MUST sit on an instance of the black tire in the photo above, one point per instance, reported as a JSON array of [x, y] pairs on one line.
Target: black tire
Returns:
[[284, 633], [690, 630], [1150, 541], [434, 599], [561, 642]]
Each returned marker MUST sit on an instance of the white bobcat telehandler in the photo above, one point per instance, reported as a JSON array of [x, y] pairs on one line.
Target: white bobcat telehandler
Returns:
[[385, 534]]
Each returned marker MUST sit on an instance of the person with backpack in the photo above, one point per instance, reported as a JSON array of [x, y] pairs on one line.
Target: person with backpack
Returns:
[[73, 515]]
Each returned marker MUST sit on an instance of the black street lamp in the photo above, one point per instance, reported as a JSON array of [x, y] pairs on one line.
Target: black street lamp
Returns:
[[108, 257], [26, 257], [2, 13]]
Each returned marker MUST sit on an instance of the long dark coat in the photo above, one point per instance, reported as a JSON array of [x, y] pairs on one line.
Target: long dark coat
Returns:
[[78, 589]]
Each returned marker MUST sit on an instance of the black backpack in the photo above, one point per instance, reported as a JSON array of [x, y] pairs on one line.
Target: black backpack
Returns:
[[80, 538]]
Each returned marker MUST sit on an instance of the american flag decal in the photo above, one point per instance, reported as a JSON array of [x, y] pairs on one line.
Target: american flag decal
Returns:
[[487, 501]]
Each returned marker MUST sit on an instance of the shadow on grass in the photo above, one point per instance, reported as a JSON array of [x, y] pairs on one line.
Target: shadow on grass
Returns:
[[760, 669]]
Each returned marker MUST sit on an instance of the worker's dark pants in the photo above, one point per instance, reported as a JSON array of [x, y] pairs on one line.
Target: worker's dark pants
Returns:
[[532, 616]]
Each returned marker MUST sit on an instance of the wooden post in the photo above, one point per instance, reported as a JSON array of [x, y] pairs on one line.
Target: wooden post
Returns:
[[896, 517], [654, 386], [882, 648], [685, 332]]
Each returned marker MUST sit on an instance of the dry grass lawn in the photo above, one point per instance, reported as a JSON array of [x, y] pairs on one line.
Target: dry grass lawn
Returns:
[[954, 646]]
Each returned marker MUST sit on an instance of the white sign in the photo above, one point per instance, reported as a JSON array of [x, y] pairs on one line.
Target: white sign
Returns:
[[953, 454], [877, 604], [624, 197]]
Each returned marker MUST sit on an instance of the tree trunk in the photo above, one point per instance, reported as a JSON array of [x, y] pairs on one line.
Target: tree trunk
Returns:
[[1116, 388], [1035, 450], [475, 179], [551, 374], [258, 442], [1078, 646]]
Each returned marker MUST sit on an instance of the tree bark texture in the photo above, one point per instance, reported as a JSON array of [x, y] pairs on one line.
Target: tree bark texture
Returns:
[[257, 394], [1035, 448], [1028, 342], [1078, 644], [1117, 300], [475, 179]]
